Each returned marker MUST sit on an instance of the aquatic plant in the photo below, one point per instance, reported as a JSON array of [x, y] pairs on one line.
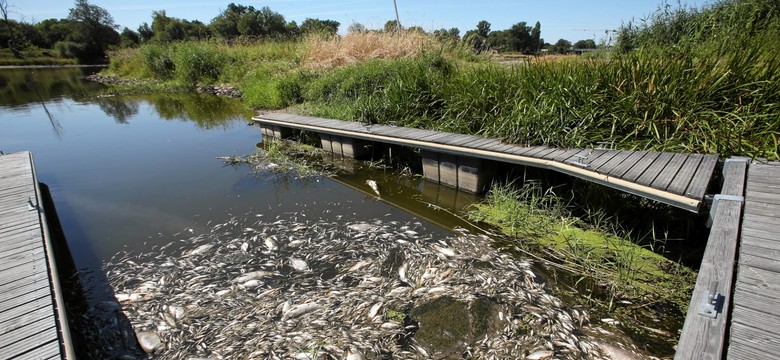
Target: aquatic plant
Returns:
[[608, 256]]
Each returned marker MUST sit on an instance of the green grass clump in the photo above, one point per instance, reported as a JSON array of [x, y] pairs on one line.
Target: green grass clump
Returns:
[[606, 255]]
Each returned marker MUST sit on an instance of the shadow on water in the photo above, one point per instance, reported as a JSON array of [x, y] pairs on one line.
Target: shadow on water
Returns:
[[99, 328]]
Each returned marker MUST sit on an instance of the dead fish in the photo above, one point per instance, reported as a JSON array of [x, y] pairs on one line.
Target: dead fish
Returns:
[[444, 251], [359, 265], [354, 354], [254, 275], [299, 265], [539, 355], [374, 186], [270, 244], [299, 310], [374, 311], [200, 250]]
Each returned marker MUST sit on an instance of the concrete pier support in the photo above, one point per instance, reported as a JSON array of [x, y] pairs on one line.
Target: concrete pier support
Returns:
[[345, 146], [275, 131], [468, 174]]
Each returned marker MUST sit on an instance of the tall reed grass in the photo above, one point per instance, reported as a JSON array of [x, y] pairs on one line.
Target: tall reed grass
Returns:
[[711, 100]]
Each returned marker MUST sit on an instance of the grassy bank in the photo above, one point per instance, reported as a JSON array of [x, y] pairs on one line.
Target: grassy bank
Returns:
[[44, 57]]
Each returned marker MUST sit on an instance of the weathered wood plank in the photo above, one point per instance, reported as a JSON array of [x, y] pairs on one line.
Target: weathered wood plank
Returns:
[[755, 329], [19, 341], [543, 154], [669, 171], [684, 176], [646, 170], [756, 296], [569, 154], [698, 185], [554, 154], [622, 169], [606, 167], [704, 337], [752, 341]]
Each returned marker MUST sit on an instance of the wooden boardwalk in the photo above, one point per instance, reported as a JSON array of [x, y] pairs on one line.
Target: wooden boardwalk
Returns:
[[755, 318], [30, 325], [673, 178], [741, 268]]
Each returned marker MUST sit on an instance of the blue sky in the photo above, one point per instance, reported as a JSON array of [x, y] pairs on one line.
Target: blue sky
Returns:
[[569, 19]]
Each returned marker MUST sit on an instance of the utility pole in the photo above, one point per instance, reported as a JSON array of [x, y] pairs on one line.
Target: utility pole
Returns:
[[397, 19]]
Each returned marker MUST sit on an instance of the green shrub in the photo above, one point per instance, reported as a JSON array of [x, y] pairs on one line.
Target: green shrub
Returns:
[[198, 62], [159, 62]]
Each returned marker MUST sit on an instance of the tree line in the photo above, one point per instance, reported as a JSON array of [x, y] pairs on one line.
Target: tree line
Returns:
[[89, 32]]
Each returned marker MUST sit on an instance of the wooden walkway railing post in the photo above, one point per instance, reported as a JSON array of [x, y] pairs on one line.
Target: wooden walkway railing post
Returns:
[[703, 335]]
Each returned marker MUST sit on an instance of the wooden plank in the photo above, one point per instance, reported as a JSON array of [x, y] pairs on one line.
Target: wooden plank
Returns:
[[655, 169], [605, 157], [704, 337], [31, 293], [487, 145], [554, 154], [618, 159], [755, 295], [568, 154], [669, 171], [20, 341], [640, 166], [766, 198], [543, 154], [698, 185], [477, 144], [757, 339], [48, 350], [20, 316], [530, 152], [683, 178], [622, 169]]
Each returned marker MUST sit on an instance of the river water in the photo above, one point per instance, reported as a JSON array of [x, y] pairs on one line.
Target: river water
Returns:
[[138, 191]]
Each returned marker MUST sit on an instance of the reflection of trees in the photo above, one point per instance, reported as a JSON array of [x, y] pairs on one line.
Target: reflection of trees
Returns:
[[208, 111], [48, 84], [119, 108]]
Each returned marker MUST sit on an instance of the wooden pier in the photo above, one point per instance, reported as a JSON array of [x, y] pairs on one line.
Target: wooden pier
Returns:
[[677, 179], [733, 312], [33, 324]]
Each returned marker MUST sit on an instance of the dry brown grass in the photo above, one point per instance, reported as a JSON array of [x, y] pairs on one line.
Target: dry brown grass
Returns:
[[358, 47]]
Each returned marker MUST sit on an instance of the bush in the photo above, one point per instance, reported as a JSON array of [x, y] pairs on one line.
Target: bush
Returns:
[[159, 62], [198, 62], [69, 49]]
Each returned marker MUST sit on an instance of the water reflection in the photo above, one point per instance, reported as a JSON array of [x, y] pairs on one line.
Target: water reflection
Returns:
[[22, 87]]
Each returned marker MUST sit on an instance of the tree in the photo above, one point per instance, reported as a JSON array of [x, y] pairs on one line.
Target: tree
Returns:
[[392, 25], [356, 27], [11, 39], [483, 28], [317, 26], [585, 44], [521, 40], [562, 46], [94, 29], [53, 31], [129, 38], [145, 32], [536, 38]]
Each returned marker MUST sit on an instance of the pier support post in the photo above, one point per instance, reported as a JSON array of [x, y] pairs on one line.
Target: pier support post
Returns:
[[468, 174], [345, 146], [275, 131]]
